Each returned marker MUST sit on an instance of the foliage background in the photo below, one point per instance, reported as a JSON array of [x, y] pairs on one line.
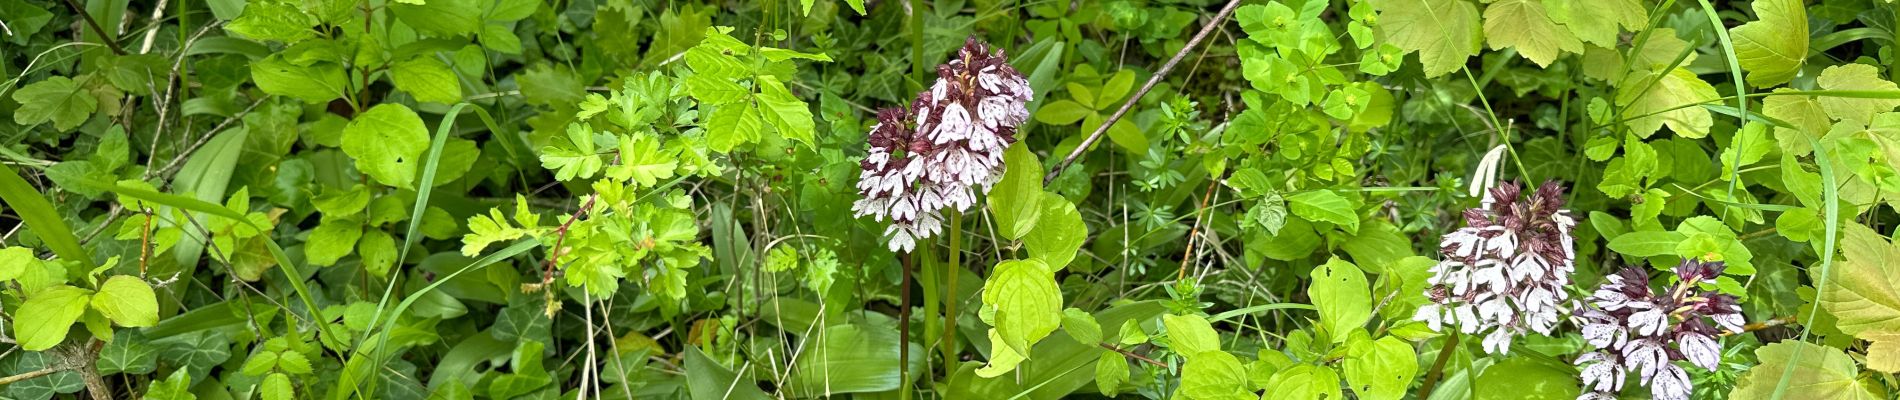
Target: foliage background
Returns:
[[455, 199]]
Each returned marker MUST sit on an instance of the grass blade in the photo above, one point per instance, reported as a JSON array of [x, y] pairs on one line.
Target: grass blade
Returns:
[[39, 214], [1831, 213]]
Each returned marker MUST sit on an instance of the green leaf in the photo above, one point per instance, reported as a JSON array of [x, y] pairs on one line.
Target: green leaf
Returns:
[[1062, 112], [1526, 378], [1523, 24], [330, 241], [1651, 109], [40, 216], [1857, 77], [1214, 375], [128, 301], [279, 21], [853, 358], [387, 142], [1817, 372], [313, 83], [277, 387], [377, 249], [1026, 301], [1190, 335], [1773, 48], [856, 5], [1444, 32], [1804, 113], [707, 380], [1325, 205], [732, 125], [1016, 200], [1596, 21], [1058, 233], [1305, 381], [642, 162], [128, 353], [175, 387], [428, 79], [1863, 293], [512, 10], [1344, 299], [789, 115], [43, 319], [441, 17], [1647, 244], [1380, 369], [1111, 371], [499, 38], [57, 99], [1081, 326]]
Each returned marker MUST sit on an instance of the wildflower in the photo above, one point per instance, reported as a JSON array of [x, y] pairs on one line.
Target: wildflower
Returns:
[[1633, 327], [946, 146], [1504, 273]]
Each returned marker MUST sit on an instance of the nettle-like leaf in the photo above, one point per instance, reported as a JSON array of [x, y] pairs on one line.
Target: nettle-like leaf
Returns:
[[1819, 372], [740, 83], [1773, 48], [387, 142], [1444, 32], [1526, 26], [1862, 294], [1597, 22], [58, 99], [1663, 103]]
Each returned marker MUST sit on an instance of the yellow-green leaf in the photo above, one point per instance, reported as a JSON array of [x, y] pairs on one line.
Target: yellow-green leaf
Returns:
[[1443, 32], [1523, 24], [1773, 48]]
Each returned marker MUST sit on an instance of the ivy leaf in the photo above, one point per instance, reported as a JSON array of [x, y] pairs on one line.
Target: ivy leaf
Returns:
[[1525, 25], [57, 99], [1058, 233], [128, 301], [1860, 77], [1443, 32], [1026, 301], [43, 319], [1344, 299], [428, 79], [1659, 104], [1380, 369], [1773, 48], [1862, 294], [128, 353], [1821, 373], [387, 142], [1324, 205], [1016, 200]]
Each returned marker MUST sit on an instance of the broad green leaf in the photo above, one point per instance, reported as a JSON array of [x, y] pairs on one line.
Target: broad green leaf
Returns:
[[1325, 205], [1773, 48], [1002, 358], [57, 99], [732, 125], [853, 358], [1647, 244], [1111, 371], [428, 79], [441, 17], [1190, 335], [1651, 109], [1379, 369], [1863, 293], [377, 250], [787, 114], [1861, 77], [1305, 382], [1344, 300], [1805, 113], [175, 387], [1815, 372], [387, 142], [1081, 325], [1027, 303], [128, 301], [1444, 32], [1214, 375], [1062, 112], [1016, 200], [1523, 24], [277, 386], [42, 320], [130, 353], [313, 83], [1526, 378], [1058, 233], [15, 261], [1596, 21], [279, 21], [1378, 244], [330, 241]]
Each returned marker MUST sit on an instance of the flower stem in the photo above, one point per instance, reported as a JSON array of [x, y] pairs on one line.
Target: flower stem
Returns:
[[950, 298], [903, 329], [1438, 367]]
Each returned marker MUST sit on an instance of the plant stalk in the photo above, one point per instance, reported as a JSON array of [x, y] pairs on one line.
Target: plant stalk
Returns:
[[903, 329], [950, 298], [1438, 367]]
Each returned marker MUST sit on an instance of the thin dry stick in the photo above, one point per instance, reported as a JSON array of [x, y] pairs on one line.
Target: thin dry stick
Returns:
[[1198, 212], [1145, 87]]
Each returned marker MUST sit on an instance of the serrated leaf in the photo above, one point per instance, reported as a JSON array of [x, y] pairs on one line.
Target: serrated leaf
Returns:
[[1859, 77], [642, 162], [1444, 32], [57, 99], [1773, 48], [1818, 372], [1596, 21], [1863, 293], [1663, 103], [787, 114], [1805, 113], [732, 125], [1524, 25]]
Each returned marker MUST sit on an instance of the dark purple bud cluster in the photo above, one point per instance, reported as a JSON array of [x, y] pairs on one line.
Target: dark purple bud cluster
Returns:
[[1636, 329]]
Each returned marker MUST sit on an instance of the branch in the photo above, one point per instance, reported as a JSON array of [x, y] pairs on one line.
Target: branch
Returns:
[[103, 36], [1132, 355], [1145, 87], [30, 375]]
